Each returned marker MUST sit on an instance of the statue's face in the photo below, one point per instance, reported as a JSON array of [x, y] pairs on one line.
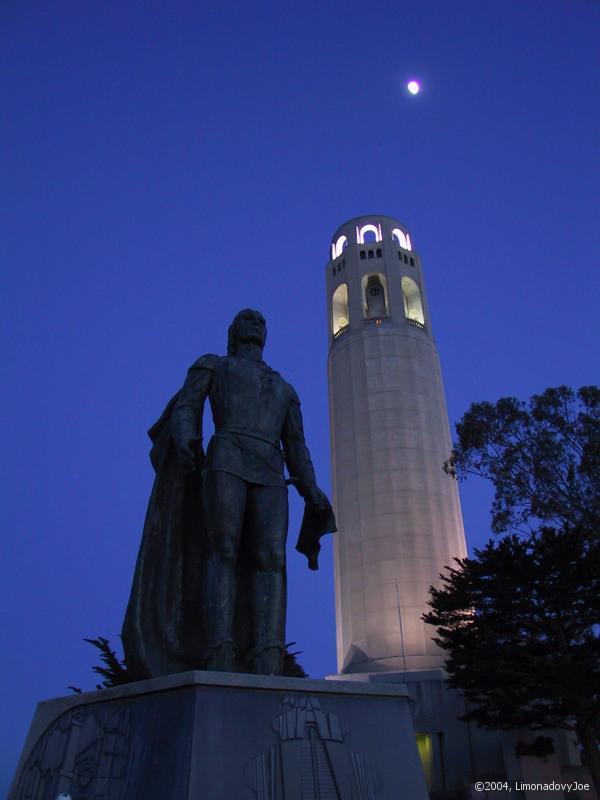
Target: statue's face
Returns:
[[250, 326]]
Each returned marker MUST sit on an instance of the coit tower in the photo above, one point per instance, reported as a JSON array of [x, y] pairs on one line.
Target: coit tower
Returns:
[[398, 512]]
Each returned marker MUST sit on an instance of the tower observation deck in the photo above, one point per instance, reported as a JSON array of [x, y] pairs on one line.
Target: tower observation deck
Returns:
[[398, 513]]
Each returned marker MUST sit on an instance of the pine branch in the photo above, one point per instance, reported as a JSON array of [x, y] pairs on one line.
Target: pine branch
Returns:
[[115, 672]]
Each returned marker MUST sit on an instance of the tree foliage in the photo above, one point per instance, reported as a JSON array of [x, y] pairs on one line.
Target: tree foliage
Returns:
[[543, 457], [518, 622], [291, 666], [114, 671]]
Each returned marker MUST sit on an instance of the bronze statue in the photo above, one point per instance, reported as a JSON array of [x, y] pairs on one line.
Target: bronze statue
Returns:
[[209, 590]]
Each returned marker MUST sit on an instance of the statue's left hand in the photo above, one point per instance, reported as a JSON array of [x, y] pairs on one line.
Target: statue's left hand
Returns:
[[192, 454], [318, 500]]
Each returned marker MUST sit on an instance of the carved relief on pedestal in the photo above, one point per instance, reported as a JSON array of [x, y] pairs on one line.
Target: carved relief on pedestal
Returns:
[[84, 754], [312, 760]]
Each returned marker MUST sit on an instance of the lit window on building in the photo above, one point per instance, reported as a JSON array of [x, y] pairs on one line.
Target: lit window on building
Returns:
[[374, 292], [339, 309], [425, 748], [413, 307]]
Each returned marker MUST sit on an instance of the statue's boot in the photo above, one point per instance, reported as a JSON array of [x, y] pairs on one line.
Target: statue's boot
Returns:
[[218, 605], [268, 616], [222, 658], [268, 660]]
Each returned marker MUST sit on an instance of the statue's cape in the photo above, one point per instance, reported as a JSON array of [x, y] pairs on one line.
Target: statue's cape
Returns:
[[162, 627]]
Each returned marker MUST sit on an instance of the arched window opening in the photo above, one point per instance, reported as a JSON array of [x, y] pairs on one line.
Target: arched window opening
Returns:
[[402, 238], [339, 246], [368, 233], [413, 307], [340, 318], [374, 292]]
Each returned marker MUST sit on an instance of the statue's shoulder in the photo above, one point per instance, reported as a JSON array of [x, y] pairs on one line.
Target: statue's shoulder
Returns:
[[293, 395], [287, 387], [209, 361]]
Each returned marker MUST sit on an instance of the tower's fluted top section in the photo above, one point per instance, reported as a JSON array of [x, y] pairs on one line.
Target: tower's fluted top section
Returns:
[[369, 227]]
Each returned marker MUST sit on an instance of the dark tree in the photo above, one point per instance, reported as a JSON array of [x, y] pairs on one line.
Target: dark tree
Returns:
[[520, 623], [291, 666], [521, 620], [114, 672]]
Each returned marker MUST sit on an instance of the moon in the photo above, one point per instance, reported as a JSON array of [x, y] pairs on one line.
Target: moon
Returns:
[[413, 87]]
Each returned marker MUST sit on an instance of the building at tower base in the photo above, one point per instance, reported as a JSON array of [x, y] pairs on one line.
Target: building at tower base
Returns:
[[457, 755]]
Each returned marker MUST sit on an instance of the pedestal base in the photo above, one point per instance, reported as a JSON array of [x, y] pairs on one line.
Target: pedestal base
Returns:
[[224, 736]]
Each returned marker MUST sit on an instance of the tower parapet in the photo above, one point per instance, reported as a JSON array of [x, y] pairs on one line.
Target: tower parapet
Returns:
[[365, 253], [398, 513]]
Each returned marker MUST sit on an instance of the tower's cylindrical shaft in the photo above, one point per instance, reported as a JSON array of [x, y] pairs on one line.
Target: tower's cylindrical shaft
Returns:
[[398, 513]]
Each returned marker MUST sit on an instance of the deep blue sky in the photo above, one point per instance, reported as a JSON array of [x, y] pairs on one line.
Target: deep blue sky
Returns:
[[166, 164]]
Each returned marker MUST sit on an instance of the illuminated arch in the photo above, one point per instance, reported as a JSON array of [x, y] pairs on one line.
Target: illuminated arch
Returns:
[[368, 228], [338, 247], [399, 236], [340, 317], [413, 307], [402, 238], [374, 296]]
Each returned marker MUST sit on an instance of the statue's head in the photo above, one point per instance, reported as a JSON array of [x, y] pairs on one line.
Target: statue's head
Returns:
[[247, 326]]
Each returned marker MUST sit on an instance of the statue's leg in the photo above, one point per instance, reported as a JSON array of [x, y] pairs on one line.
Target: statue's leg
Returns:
[[267, 521], [224, 506]]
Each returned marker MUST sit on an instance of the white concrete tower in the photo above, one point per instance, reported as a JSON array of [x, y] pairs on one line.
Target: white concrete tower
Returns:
[[398, 513]]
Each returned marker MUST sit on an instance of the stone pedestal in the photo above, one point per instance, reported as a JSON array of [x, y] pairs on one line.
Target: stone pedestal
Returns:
[[224, 736]]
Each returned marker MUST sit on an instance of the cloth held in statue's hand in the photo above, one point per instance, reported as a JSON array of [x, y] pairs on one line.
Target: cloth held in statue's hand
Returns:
[[316, 522]]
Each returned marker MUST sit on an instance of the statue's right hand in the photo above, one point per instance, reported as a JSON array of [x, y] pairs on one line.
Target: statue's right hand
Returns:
[[188, 453]]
